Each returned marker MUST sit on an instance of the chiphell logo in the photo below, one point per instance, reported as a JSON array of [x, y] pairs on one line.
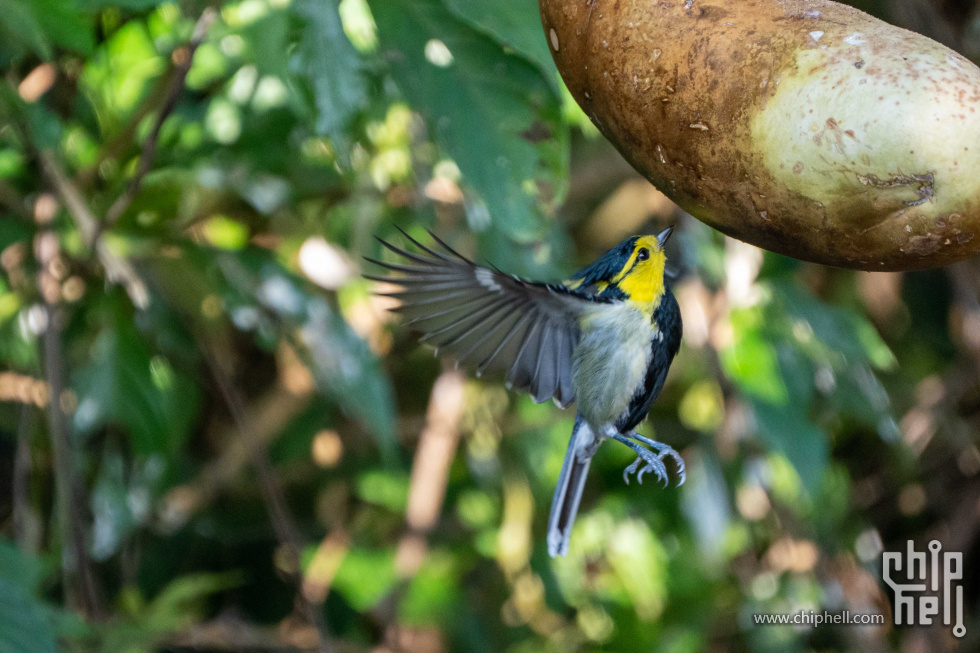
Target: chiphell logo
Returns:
[[938, 572]]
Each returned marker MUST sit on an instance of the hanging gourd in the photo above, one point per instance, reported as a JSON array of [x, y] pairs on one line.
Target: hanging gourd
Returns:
[[805, 127]]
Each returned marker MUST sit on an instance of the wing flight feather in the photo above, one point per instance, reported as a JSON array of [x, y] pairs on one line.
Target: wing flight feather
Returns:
[[490, 321]]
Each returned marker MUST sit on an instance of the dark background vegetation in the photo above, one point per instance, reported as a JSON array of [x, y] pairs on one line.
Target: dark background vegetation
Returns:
[[213, 436]]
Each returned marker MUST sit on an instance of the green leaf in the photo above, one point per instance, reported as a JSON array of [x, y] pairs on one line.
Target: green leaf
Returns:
[[797, 372], [132, 5], [365, 577], [640, 561], [346, 368], [845, 335], [342, 364], [383, 488], [46, 127], [19, 568], [121, 499], [178, 606], [491, 111], [26, 623], [859, 394], [328, 61], [210, 67], [786, 430], [117, 77], [21, 25], [64, 25], [267, 39], [126, 385], [548, 257], [41, 24], [183, 598], [515, 24], [878, 353], [751, 361], [433, 595], [12, 163], [12, 231]]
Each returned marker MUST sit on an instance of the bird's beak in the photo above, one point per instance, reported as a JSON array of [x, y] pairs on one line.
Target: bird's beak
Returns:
[[664, 236]]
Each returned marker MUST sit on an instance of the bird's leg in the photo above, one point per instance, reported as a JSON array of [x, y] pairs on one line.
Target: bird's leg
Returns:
[[662, 451], [654, 461]]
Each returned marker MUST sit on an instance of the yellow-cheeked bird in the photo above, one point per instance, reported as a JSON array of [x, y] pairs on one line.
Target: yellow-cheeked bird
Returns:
[[604, 339]]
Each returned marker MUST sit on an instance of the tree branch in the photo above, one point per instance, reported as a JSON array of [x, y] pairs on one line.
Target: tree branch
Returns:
[[265, 415], [182, 58], [430, 469], [81, 591], [427, 488], [26, 521], [117, 269], [283, 523]]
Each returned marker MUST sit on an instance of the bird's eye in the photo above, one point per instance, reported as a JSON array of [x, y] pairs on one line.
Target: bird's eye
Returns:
[[643, 254]]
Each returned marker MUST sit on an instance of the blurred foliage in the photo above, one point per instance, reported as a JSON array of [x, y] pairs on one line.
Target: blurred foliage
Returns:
[[192, 361]]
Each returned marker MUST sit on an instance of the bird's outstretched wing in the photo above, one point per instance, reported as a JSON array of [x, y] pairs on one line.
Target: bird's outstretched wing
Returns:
[[489, 321]]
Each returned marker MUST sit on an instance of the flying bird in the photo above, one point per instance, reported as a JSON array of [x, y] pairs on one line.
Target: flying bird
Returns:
[[604, 339]]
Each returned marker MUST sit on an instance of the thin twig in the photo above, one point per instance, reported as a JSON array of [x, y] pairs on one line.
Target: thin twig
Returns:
[[283, 522], [118, 270], [123, 139], [81, 591], [182, 58], [26, 522], [266, 415], [69, 194], [80, 585], [427, 488], [430, 469]]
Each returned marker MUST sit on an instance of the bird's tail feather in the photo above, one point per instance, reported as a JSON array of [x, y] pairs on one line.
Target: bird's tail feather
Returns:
[[571, 482]]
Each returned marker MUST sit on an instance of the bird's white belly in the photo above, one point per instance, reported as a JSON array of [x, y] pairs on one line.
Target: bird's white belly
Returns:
[[611, 361]]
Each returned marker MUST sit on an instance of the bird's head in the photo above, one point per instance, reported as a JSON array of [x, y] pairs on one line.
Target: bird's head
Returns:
[[633, 269]]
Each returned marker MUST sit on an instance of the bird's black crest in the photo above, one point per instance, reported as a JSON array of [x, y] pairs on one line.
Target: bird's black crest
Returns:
[[606, 266]]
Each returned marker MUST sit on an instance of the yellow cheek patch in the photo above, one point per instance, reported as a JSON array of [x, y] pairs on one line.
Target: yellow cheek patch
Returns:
[[645, 282]]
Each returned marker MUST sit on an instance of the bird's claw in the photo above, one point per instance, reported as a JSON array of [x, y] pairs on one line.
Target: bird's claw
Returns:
[[655, 464], [681, 469]]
